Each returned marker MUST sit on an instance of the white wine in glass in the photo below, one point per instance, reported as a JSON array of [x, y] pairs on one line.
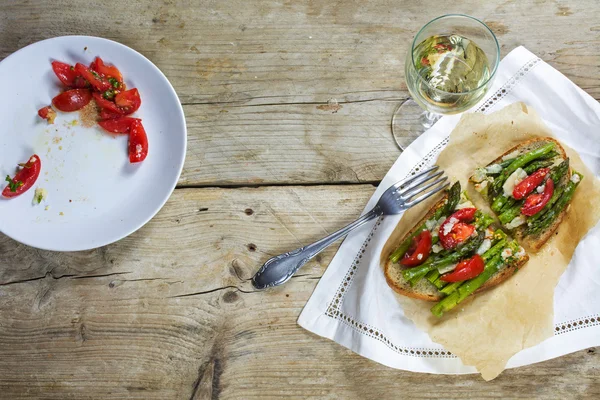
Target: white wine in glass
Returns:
[[449, 67]]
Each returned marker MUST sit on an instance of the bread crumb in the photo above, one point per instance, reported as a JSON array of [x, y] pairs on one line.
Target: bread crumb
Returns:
[[89, 115], [61, 213]]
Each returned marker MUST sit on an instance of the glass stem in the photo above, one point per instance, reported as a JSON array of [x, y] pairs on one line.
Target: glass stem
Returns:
[[428, 119]]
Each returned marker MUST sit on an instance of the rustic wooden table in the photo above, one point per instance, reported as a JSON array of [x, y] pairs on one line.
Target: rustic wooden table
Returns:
[[288, 106]]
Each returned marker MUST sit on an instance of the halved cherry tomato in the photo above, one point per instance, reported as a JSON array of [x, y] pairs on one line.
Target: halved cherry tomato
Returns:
[[529, 184], [106, 104], [24, 179], [125, 102], [118, 125], [97, 81], [106, 70], [466, 269], [47, 113], [535, 202], [138, 142], [419, 250], [106, 114], [68, 75], [128, 101], [72, 100], [459, 231]]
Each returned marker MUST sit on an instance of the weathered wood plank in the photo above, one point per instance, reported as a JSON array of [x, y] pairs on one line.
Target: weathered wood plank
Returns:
[[168, 313], [224, 58], [288, 51], [289, 143]]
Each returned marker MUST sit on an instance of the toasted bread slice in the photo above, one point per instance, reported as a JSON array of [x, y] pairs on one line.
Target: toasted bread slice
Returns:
[[536, 242], [424, 290]]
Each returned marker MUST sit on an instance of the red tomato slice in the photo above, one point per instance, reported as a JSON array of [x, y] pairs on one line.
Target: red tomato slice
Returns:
[[535, 202], [72, 100], [24, 179], [106, 114], [47, 113], [529, 184], [454, 230], [118, 125], [128, 101], [420, 251], [138, 142], [106, 70], [68, 75], [106, 104], [466, 269], [98, 82]]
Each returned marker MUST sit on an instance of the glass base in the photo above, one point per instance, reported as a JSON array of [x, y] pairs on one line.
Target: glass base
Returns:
[[410, 121]]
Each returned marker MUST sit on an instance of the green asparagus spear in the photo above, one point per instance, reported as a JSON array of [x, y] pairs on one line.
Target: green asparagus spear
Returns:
[[534, 166], [499, 202], [544, 222], [448, 289], [559, 171], [506, 163], [453, 199], [518, 163], [549, 155], [466, 249], [458, 295], [482, 220], [434, 278], [510, 214], [509, 204]]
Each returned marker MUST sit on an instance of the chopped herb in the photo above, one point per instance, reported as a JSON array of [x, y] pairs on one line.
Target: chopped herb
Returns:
[[13, 185], [115, 83], [109, 94], [95, 73], [72, 68]]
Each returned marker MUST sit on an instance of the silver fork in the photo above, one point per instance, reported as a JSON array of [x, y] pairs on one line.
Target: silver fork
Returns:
[[397, 198]]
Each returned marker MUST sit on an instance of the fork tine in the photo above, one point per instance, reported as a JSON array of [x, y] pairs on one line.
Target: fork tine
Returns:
[[416, 176], [425, 196], [409, 194], [420, 181]]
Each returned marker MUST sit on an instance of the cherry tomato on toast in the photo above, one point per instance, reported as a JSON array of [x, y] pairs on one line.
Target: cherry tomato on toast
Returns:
[[529, 184], [419, 251], [454, 230], [535, 202], [24, 179], [466, 269]]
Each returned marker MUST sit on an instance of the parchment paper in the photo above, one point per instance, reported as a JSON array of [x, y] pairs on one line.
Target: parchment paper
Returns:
[[492, 326]]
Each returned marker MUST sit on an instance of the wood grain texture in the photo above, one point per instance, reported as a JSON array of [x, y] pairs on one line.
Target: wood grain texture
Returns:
[[169, 313], [230, 60], [278, 92]]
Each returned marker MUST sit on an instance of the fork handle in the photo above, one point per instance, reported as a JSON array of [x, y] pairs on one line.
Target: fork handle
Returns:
[[281, 268]]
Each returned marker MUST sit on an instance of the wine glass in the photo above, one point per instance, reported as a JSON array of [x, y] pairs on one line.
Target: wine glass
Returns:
[[450, 65]]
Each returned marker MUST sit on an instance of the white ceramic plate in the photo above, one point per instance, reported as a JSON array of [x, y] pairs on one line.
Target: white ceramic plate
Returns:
[[95, 196]]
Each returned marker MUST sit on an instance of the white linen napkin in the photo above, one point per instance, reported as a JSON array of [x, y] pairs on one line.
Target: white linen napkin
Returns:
[[354, 306]]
